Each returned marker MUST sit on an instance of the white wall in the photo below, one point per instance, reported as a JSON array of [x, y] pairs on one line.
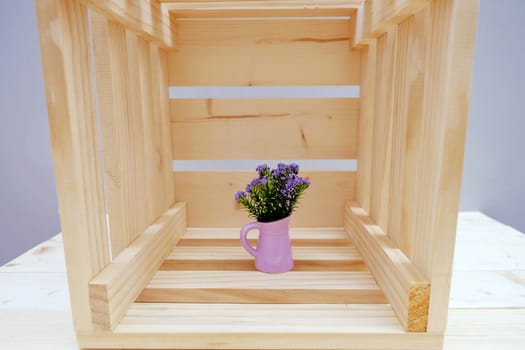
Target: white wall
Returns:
[[494, 173], [494, 168], [28, 208]]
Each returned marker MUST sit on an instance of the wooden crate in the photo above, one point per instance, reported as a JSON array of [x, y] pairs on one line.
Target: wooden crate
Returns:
[[152, 254]]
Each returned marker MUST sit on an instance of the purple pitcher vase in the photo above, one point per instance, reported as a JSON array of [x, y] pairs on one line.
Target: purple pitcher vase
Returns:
[[274, 251]]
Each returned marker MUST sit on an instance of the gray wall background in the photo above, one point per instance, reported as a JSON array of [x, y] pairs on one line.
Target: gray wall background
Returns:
[[494, 171]]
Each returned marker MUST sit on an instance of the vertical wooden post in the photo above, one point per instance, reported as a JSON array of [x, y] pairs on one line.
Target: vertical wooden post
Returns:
[[64, 42], [445, 109], [366, 124]]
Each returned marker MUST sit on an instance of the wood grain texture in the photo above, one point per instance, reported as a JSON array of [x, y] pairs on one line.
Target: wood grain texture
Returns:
[[160, 126], [409, 139], [36, 312], [228, 255], [314, 234], [261, 9], [135, 131], [117, 286], [253, 53], [239, 128], [379, 16], [446, 96], [117, 130], [252, 287], [145, 17], [225, 326], [366, 124], [209, 197], [64, 44], [405, 288], [382, 130]]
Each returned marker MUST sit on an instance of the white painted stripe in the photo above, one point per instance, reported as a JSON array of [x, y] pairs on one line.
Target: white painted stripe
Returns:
[[250, 165], [346, 91]]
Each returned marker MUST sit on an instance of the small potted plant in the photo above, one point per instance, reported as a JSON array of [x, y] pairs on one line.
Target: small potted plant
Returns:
[[271, 198]]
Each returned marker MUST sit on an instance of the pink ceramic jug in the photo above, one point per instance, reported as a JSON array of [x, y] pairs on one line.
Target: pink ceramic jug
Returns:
[[274, 251]]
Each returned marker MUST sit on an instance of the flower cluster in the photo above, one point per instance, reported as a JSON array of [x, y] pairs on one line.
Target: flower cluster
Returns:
[[274, 194]]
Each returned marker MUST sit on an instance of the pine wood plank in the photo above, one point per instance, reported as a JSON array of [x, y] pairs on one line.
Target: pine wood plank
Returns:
[[116, 124], [247, 265], [474, 289], [260, 12], [227, 326], [64, 44], [253, 280], [238, 286], [112, 290], [234, 242], [224, 128], [296, 233], [253, 53], [209, 197], [383, 125], [166, 134], [411, 139], [153, 133], [148, 18], [406, 289], [209, 256], [348, 5], [261, 9], [378, 16], [445, 109], [366, 124], [238, 253]]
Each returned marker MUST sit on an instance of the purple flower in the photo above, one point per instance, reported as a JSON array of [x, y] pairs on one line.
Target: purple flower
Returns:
[[239, 194], [261, 168], [294, 168], [281, 167]]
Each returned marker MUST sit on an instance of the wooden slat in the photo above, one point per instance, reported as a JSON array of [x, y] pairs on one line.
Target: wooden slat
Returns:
[[209, 197], [153, 134], [262, 12], [229, 326], [366, 125], [351, 287], [411, 140], [117, 127], [131, 84], [261, 9], [239, 128], [166, 154], [161, 141], [382, 130], [443, 128], [247, 265], [235, 242], [405, 288], [238, 253], [64, 44], [296, 233], [146, 17], [207, 255], [376, 17], [117, 286], [258, 52], [399, 130]]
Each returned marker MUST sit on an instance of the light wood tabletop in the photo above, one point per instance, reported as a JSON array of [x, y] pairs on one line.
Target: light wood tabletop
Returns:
[[487, 303]]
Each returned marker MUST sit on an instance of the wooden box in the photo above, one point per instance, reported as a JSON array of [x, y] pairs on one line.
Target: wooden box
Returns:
[[152, 249]]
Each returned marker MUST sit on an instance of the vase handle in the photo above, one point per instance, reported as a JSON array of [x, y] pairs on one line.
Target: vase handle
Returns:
[[244, 233]]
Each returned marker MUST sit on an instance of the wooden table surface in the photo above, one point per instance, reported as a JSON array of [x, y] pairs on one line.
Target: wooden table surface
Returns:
[[487, 303]]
